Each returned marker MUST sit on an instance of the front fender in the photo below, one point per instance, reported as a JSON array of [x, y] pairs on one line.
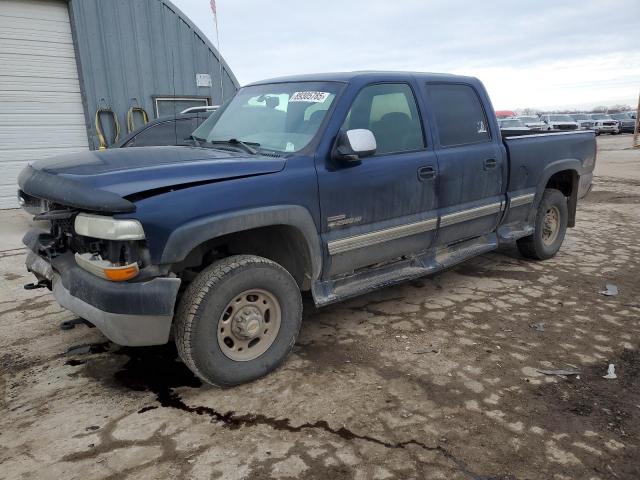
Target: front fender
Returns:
[[188, 236]]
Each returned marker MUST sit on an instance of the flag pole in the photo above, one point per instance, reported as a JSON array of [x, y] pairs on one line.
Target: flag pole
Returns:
[[636, 129], [214, 9]]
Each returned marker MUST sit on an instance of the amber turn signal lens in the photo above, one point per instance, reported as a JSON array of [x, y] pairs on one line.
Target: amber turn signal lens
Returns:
[[121, 274]]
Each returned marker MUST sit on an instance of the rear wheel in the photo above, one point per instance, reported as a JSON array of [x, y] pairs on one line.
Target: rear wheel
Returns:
[[549, 228], [238, 320]]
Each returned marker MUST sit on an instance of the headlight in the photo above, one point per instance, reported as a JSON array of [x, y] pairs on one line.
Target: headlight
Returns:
[[108, 228]]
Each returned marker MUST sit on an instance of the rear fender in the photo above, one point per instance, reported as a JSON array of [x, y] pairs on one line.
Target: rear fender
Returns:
[[570, 164]]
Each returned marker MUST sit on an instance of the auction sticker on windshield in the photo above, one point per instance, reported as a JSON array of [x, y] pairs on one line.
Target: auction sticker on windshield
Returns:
[[313, 97]]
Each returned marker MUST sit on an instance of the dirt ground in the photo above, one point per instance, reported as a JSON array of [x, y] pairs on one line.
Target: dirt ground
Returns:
[[432, 379]]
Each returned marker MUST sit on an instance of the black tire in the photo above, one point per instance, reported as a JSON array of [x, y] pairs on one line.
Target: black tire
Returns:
[[204, 302], [534, 246]]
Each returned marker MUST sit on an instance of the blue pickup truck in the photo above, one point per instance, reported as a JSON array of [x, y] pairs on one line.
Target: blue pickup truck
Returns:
[[333, 184]]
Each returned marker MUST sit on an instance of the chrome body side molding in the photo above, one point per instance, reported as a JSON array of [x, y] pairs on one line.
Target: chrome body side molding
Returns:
[[380, 236], [373, 238], [470, 214], [522, 200]]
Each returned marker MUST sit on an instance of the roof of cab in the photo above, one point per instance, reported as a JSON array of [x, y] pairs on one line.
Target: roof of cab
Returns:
[[373, 76]]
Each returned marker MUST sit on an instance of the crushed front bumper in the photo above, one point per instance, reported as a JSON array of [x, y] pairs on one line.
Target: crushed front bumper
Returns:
[[128, 313]]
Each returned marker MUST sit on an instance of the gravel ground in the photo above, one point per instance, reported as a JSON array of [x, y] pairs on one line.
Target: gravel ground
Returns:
[[433, 379]]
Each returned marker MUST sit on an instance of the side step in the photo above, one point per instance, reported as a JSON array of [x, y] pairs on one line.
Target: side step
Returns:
[[367, 280]]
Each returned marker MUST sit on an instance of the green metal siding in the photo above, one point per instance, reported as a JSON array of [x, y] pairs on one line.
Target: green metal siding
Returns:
[[129, 51]]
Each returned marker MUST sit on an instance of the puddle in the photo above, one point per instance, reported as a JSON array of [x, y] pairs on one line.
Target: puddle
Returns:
[[74, 362], [154, 369]]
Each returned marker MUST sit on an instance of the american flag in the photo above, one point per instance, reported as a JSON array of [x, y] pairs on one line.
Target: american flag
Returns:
[[213, 8]]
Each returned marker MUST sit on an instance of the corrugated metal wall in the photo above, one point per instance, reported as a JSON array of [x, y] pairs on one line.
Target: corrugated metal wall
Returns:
[[132, 50]]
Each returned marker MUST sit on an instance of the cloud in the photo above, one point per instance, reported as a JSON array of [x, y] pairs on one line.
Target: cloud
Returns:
[[540, 54]]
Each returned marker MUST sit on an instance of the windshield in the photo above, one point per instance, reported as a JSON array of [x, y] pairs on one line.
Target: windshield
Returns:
[[511, 123], [560, 118], [580, 116], [530, 119], [600, 116], [621, 116], [281, 117]]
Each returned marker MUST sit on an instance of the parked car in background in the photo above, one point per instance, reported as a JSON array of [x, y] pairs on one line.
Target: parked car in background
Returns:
[[605, 124], [505, 114], [533, 122], [584, 121], [201, 109], [627, 121], [512, 124], [172, 130], [559, 122]]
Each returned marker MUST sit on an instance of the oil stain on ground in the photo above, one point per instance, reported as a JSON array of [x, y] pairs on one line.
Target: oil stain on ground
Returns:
[[158, 370]]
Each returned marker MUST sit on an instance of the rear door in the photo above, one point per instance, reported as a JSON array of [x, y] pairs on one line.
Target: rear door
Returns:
[[384, 206], [471, 160]]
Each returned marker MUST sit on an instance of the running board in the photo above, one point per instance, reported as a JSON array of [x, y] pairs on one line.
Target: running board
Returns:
[[373, 278]]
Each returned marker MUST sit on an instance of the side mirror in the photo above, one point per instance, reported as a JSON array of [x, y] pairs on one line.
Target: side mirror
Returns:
[[353, 145]]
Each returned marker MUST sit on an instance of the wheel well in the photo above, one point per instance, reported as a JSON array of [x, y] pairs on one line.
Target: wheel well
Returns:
[[567, 182], [283, 244]]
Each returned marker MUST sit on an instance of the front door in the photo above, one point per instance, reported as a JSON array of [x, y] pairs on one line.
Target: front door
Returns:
[[384, 206], [472, 163]]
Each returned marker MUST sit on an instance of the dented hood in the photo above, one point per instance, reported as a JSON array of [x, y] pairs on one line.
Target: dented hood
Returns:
[[127, 171]]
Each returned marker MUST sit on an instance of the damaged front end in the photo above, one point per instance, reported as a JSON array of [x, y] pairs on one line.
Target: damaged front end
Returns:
[[97, 265]]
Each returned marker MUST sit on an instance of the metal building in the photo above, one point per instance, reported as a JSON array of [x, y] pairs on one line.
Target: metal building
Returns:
[[63, 60]]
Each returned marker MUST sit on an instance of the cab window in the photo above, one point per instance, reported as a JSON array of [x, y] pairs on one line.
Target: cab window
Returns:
[[389, 110]]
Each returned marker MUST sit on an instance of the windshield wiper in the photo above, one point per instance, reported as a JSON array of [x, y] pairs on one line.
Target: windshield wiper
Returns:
[[245, 145], [197, 139]]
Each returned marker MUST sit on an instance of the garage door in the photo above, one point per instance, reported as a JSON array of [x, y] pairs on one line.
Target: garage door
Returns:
[[40, 104]]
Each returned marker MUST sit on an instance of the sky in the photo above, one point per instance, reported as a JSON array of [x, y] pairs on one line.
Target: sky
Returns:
[[529, 54]]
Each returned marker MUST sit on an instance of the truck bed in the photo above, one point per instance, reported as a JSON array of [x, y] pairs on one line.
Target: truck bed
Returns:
[[529, 154]]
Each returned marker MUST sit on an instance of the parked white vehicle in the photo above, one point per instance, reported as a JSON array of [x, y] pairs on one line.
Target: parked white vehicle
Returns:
[[559, 122], [605, 124], [534, 122]]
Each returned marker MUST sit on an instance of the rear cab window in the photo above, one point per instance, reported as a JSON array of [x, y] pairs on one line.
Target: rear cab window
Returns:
[[460, 118]]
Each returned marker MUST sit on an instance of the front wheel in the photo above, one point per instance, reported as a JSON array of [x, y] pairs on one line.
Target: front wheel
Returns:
[[549, 229], [238, 320]]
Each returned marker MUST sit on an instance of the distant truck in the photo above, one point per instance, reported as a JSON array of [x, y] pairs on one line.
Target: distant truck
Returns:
[[560, 122], [584, 120], [333, 184], [626, 121], [533, 122]]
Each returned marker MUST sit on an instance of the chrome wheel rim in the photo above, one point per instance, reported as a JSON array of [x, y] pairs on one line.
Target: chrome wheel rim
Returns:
[[249, 324], [550, 225]]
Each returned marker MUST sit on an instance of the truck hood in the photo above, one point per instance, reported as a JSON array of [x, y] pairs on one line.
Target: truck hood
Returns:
[[122, 172]]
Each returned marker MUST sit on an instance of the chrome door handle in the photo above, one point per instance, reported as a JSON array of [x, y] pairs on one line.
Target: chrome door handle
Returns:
[[490, 163], [426, 173]]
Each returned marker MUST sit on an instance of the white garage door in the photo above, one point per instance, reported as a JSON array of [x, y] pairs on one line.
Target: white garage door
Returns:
[[40, 104]]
